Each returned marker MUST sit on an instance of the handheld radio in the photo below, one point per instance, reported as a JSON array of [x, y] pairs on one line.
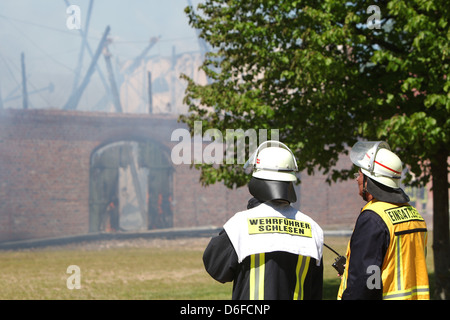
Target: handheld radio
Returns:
[[339, 262]]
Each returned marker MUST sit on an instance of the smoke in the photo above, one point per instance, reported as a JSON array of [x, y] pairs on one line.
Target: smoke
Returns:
[[52, 43]]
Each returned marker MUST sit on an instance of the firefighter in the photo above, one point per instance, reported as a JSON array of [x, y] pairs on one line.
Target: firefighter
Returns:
[[271, 250], [386, 252]]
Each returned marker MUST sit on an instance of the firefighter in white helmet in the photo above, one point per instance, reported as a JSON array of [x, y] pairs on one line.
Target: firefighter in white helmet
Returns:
[[386, 252], [271, 250]]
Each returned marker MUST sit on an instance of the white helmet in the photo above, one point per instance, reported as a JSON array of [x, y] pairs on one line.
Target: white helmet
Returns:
[[378, 162], [273, 162]]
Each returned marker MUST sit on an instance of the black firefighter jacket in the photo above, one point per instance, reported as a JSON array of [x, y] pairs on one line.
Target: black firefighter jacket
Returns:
[[272, 275]]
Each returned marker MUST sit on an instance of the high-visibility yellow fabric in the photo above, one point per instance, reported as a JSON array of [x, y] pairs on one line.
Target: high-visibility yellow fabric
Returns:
[[404, 271], [302, 270], [257, 273]]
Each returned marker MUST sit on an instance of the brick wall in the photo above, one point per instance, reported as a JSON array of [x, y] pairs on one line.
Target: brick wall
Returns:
[[44, 171]]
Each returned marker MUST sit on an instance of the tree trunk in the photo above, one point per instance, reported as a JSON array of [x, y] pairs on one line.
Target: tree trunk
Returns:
[[441, 241]]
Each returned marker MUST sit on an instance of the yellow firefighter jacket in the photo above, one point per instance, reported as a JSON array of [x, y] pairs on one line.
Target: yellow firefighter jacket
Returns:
[[403, 271]]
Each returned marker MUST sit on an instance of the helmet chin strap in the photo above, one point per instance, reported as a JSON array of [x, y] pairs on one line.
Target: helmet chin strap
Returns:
[[364, 190]]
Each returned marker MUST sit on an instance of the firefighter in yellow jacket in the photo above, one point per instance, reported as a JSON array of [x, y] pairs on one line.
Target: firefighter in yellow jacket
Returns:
[[387, 250], [272, 250]]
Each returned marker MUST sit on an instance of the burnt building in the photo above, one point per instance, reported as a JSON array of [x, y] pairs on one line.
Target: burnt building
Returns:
[[72, 172]]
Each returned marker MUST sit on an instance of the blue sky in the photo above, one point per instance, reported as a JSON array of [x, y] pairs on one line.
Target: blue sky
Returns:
[[38, 28]]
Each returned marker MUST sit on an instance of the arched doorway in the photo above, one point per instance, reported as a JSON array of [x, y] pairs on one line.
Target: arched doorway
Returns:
[[130, 187]]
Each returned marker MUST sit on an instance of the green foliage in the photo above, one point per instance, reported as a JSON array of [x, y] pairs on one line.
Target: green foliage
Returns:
[[318, 73]]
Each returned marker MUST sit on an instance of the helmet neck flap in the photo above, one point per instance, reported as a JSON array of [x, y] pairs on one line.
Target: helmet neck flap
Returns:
[[267, 190], [385, 193]]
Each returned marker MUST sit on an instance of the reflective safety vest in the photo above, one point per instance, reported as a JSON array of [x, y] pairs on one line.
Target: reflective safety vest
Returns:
[[404, 272]]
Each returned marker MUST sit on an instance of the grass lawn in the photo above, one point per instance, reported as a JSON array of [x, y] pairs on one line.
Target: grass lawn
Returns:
[[139, 269]]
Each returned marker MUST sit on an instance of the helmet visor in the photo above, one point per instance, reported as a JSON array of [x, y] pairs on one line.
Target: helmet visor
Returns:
[[363, 153]]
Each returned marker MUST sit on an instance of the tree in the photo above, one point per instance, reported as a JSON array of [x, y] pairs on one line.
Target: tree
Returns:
[[327, 73]]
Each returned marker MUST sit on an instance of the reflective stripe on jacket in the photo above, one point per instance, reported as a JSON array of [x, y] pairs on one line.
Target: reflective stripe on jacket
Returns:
[[257, 281]]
